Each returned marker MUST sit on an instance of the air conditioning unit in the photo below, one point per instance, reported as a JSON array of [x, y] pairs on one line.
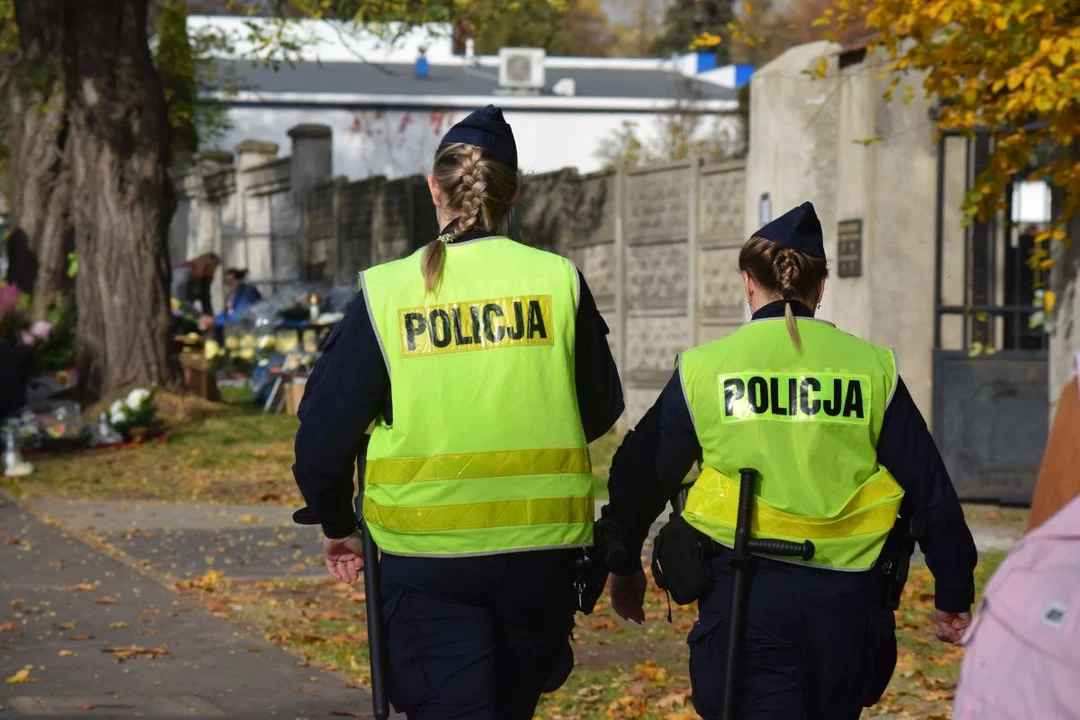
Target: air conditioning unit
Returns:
[[521, 68]]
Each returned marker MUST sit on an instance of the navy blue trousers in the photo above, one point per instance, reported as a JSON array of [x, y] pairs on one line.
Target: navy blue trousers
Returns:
[[818, 644], [479, 638]]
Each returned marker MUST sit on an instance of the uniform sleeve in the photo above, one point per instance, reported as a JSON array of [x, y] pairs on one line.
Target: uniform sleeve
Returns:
[[599, 390], [649, 468], [907, 450], [347, 389]]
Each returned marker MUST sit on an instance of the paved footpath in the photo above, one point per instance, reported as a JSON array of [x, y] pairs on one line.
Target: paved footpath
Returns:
[[98, 638], [186, 540], [206, 667]]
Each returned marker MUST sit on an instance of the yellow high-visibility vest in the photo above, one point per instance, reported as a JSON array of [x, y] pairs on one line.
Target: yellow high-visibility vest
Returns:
[[809, 424], [486, 453]]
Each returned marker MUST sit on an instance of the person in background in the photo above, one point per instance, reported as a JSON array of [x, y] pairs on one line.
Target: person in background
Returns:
[[191, 283], [485, 366], [238, 295], [841, 451]]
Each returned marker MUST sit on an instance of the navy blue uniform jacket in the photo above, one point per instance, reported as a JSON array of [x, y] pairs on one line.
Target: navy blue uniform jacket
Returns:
[[655, 457]]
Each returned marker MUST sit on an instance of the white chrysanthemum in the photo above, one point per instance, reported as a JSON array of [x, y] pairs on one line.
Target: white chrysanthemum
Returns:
[[137, 397], [118, 417], [116, 407]]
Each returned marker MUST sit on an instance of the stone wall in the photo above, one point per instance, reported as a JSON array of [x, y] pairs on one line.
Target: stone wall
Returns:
[[657, 245], [858, 158]]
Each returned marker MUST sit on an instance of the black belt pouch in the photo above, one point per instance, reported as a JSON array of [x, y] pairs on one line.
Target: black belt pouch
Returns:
[[681, 562]]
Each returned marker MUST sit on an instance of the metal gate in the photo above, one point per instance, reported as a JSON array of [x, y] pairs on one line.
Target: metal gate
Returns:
[[990, 396]]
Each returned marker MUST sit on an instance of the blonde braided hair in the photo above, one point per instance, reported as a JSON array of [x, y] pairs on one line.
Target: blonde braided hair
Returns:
[[785, 272], [479, 188]]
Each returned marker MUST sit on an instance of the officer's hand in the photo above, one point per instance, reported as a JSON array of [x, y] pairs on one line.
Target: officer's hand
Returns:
[[951, 626], [344, 557], [628, 596]]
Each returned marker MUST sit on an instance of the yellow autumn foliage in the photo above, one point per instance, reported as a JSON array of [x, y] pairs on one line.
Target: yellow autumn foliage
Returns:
[[1009, 66]]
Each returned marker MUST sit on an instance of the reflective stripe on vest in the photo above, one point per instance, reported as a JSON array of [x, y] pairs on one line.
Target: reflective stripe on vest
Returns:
[[394, 471], [870, 512], [809, 424], [486, 453]]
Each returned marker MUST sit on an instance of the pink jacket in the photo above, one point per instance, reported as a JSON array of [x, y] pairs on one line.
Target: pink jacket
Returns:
[[1023, 648]]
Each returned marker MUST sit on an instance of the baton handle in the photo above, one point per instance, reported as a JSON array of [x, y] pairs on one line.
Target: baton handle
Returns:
[[783, 548]]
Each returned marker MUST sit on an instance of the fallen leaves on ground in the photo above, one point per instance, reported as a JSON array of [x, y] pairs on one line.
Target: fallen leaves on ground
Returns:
[[249, 519], [326, 615], [84, 706], [123, 654], [105, 600], [118, 624], [80, 637], [8, 627], [83, 587], [22, 676], [12, 540], [674, 699], [626, 706], [66, 653], [208, 582]]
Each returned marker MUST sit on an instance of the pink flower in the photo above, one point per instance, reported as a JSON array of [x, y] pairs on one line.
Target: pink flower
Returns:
[[42, 329], [28, 339], [9, 298]]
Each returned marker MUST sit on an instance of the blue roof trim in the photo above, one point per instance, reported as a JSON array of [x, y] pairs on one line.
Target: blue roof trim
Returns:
[[743, 74]]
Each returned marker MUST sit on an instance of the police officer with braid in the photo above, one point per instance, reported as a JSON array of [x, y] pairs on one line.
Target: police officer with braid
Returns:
[[843, 458], [485, 368]]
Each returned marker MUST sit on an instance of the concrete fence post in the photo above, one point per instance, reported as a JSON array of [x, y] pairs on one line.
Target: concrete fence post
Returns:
[[694, 191], [619, 252]]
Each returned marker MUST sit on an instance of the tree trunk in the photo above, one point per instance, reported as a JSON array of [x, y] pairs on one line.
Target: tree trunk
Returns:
[[38, 136], [122, 198]]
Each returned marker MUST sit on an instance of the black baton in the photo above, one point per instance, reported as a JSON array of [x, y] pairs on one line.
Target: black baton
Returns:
[[376, 630], [380, 704], [745, 546]]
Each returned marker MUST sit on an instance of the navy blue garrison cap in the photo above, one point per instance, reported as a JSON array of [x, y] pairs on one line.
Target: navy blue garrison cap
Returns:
[[486, 129], [798, 229]]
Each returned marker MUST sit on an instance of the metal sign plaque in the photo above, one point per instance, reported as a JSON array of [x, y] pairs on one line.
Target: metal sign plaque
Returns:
[[849, 248]]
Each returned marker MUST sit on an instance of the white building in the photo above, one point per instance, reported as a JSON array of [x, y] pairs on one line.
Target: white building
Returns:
[[388, 115]]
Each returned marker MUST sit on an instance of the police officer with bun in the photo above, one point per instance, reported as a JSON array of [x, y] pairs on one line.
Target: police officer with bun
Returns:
[[485, 368], [839, 455]]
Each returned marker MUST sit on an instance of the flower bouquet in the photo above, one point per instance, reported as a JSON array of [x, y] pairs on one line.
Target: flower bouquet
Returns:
[[185, 317], [54, 351], [50, 425], [135, 415]]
